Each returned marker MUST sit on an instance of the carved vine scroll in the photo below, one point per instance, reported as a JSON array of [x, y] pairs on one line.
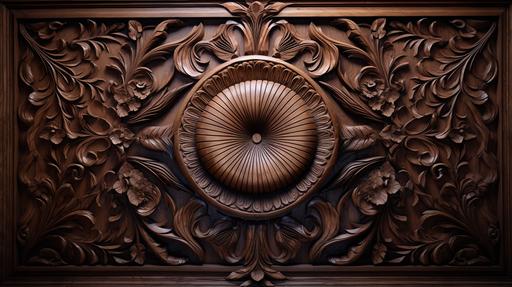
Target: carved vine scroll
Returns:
[[258, 142]]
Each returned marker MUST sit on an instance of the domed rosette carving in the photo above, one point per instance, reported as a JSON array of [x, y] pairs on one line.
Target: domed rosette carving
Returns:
[[255, 137]]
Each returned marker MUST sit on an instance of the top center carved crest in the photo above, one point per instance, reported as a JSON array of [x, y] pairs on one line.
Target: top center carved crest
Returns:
[[256, 27]]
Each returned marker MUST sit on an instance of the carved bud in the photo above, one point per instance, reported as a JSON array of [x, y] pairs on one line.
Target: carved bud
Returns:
[[375, 191]]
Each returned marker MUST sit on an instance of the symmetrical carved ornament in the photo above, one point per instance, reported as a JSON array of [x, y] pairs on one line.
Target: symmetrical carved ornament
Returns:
[[258, 142], [255, 137]]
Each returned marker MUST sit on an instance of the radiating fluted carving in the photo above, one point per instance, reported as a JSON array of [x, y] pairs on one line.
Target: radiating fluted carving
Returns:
[[256, 125], [256, 136]]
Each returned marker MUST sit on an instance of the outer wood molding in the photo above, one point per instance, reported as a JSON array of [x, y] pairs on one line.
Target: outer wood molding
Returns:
[[255, 143], [7, 144]]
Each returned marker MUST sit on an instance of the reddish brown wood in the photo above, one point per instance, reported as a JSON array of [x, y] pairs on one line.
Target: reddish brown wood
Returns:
[[261, 146]]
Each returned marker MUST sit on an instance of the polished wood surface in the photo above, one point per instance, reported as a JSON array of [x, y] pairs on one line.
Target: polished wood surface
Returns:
[[255, 143]]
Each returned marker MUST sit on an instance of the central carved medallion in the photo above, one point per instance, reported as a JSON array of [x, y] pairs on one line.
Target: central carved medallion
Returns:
[[255, 137]]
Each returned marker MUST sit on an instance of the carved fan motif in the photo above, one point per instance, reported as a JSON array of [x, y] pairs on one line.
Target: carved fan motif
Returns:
[[256, 136], [254, 126]]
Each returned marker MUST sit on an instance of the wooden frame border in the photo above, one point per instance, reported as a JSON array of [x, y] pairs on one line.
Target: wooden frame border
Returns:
[[7, 144], [300, 275]]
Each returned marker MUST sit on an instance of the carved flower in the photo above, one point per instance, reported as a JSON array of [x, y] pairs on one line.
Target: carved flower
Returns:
[[375, 191], [371, 87], [53, 134], [121, 137], [140, 192], [380, 96], [128, 96], [141, 84], [384, 104], [125, 103], [461, 131]]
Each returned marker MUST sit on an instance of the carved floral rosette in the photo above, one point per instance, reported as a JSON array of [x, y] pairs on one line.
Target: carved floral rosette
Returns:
[[255, 137]]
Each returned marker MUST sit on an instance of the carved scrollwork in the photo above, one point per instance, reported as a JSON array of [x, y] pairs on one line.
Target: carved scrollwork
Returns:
[[258, 245], [430, 146], [151, 143], [256, 28], [80, 146]]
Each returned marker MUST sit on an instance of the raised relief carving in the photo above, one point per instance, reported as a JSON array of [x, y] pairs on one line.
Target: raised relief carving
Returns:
[[332, 142], [255, 137]]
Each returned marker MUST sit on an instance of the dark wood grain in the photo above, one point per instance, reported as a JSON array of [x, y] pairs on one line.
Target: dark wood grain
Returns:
[[263, 143], [506, 135], [7, 143]]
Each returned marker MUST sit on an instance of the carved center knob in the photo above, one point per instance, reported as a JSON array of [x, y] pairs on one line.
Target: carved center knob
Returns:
[[229, 141], [256, 138]]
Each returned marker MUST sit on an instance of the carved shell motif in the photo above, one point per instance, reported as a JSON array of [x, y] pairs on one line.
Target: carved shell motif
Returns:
[[255, 137]]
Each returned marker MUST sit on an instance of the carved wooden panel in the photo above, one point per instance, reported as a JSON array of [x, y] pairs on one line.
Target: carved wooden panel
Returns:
[[261, 143]]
